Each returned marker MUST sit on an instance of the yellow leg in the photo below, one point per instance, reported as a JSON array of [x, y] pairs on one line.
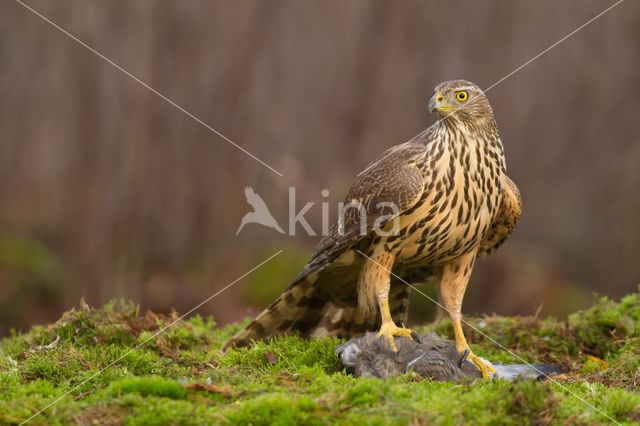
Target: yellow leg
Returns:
[[389, 329], [462, 345], [374, 284], [455, 277]]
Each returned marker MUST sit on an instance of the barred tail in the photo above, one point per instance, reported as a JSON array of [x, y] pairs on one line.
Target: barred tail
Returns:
[[302, 309]]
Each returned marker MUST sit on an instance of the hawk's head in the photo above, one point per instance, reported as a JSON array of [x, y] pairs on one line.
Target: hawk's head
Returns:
[[461, 100]]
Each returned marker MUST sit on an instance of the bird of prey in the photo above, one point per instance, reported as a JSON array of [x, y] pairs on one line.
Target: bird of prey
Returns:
[[260, 213], [455, 204]]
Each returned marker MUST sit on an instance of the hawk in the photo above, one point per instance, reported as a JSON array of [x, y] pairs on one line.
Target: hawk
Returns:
[[454, 203]]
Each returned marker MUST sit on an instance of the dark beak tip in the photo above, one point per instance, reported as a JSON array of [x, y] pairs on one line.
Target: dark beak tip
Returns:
[[432, 104]]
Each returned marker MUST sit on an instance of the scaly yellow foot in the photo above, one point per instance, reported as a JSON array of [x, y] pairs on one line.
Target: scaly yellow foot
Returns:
[[486, 370], [389, 329], [462, 346]]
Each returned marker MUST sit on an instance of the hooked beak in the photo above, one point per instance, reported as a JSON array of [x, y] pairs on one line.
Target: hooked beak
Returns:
[[435, 102]]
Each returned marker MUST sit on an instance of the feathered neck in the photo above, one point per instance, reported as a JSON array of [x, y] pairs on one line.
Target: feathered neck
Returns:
[[458, 135]]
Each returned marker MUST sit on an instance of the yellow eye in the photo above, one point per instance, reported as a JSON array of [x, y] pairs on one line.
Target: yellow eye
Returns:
[[462, 96]]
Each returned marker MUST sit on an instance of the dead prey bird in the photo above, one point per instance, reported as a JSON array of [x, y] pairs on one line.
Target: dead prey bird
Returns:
[[428, 356]]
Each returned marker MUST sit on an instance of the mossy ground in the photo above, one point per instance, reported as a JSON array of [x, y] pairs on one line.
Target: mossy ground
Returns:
[[180, 376]]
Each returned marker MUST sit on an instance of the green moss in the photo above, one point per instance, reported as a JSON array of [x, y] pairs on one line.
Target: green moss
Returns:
[[117, 366], [291, 353], [147, 386], [530, 400], [276, 409], [596, 326]]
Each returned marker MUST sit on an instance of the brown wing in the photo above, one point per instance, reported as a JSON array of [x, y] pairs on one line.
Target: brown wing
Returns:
[[394, 178], [506, 219]]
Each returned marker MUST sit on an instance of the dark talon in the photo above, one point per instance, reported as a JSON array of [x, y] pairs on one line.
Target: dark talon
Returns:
[[465, 355], [415, 337]]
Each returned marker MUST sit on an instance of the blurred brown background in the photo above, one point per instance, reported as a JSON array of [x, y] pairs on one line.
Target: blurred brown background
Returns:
[[107, 191]]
